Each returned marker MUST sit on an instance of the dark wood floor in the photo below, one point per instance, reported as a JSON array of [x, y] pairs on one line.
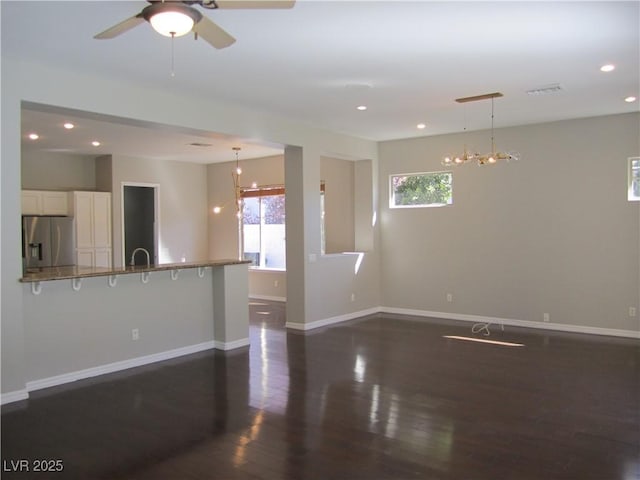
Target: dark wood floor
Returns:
[[379, 398]]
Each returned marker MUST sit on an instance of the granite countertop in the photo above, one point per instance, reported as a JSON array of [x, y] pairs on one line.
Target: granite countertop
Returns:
[[75, 271]]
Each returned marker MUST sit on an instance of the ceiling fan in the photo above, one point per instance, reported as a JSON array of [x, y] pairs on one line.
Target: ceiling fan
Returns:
[[174, 18]]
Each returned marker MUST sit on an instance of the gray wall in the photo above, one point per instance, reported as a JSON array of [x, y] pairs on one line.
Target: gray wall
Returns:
[[552, 233], [169, 314], [183, 200], [339, 203], [57, 171]]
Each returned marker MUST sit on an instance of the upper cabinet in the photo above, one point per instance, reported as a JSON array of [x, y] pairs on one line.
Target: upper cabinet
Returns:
[[43, 202]]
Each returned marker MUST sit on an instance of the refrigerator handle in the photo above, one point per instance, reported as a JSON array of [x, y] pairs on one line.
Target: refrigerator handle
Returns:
[[39, 251]]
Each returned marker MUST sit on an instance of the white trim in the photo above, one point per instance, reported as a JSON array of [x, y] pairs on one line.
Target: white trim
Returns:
[[117, 366], [268, 298], [332, 320], [243, 342], [15, 396], [563, 327]]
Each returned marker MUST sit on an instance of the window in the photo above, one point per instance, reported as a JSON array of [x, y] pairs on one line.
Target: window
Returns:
[[634, 180], [420, 190], [263, 228]]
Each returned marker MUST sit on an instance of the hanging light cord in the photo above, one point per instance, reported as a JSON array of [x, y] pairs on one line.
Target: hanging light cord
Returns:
[[173, 37], [493, 144]]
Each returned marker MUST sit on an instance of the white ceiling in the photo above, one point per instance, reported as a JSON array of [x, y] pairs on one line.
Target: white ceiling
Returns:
[[407, 61]]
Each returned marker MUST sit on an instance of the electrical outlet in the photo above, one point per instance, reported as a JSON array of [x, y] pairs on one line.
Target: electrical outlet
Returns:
[[449, 297], [632, 311], [135, 334], [545, 317], [275, 283], [353, 297]]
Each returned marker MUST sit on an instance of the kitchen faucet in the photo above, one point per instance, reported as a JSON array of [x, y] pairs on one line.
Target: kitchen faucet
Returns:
[[133, 255]]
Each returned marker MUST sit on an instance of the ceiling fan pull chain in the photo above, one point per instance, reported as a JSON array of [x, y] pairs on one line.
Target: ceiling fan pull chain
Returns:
[[173, 37]]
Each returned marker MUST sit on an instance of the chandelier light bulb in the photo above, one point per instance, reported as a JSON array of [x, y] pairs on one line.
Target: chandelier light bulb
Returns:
[[238, 171]]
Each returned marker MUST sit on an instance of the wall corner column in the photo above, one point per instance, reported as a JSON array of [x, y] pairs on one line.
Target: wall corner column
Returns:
[[231, 306]]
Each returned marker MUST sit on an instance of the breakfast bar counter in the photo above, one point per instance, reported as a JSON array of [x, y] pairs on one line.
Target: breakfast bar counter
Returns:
[[84, 321], [76, 271]]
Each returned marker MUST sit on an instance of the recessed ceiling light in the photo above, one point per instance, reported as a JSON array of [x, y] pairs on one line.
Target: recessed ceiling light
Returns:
[[630, 99], [68, 125], [34, 136], [217, 209], [362, 108], [95, 143], [607, 68], [421, 126]]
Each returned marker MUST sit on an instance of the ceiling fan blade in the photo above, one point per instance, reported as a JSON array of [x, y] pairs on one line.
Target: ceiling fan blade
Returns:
[[255, 3], [121, 27], [213, 34]]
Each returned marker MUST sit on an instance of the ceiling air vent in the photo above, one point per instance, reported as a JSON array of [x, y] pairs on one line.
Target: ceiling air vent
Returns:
[[546, 89], [198, 144]]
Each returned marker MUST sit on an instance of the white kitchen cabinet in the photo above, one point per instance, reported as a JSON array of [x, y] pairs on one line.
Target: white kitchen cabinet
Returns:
[[43, 202], [85, 257], [102, 257], [92, 213]]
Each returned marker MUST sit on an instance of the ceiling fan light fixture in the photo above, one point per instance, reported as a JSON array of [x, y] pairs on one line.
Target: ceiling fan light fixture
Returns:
[[171, 20]]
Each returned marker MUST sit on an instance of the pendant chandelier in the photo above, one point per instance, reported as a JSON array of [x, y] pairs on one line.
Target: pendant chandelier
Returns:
[[239, 205], [236, 183], [494, 155]]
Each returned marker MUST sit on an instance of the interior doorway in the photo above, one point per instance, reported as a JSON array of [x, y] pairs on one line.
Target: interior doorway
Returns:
[[139, 223]]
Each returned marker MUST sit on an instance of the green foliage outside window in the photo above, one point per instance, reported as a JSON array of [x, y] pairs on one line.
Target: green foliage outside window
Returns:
[[424, 189]]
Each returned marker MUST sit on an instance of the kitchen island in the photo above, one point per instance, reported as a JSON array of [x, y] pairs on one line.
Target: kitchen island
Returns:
[[87, 321]]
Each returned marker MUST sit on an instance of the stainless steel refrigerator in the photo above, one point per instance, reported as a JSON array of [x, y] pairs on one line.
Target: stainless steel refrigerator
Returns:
[[47, 242]]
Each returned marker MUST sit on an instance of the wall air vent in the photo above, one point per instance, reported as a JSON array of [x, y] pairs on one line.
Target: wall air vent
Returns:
[[197, 144], [546, 89]]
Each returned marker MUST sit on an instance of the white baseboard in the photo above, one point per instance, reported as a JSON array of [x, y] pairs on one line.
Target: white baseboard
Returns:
[[332, 320], [16, 396], [267, 298], [243, 342], [563, 327], [117, 366]]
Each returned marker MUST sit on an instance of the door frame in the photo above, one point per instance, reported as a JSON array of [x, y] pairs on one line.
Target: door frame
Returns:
[[156, 217]]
